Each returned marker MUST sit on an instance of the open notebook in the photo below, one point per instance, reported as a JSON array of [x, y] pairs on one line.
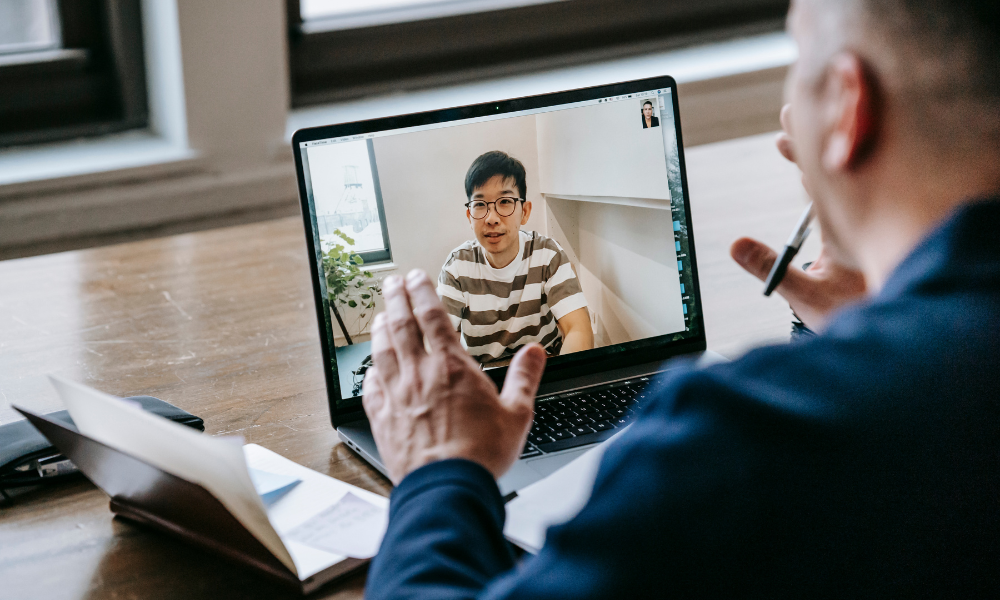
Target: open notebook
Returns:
[[306, 530]]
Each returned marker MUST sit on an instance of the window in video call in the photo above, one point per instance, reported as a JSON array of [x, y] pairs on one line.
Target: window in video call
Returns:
[[563, 225]]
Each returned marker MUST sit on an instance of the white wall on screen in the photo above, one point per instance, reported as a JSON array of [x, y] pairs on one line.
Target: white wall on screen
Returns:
[[627, 264], [601, 150]]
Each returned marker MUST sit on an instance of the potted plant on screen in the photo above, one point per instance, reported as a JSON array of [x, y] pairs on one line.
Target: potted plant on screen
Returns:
[[348, 285]]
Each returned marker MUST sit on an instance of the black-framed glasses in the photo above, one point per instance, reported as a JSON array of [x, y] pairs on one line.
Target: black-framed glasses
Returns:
[[503, 206]]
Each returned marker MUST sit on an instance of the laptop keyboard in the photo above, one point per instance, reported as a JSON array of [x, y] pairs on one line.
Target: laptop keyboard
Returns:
[[573, 419]]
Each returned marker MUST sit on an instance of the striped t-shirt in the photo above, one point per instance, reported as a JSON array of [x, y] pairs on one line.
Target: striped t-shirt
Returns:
[[499, 310]]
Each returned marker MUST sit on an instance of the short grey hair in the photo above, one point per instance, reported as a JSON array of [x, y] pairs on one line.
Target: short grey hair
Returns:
[[943, 56]]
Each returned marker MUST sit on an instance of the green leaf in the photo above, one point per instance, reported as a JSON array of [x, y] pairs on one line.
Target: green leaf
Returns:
[[343, 236], [365, 296], [352, 304]]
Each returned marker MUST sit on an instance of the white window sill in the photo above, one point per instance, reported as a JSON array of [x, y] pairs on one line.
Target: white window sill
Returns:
[[352, 19], [687, 65], [379, 267], [31, 168]]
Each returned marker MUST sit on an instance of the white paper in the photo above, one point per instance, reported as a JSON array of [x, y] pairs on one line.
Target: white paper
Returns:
[[352, 527], [551, 501], [270, 486], [315, 494]]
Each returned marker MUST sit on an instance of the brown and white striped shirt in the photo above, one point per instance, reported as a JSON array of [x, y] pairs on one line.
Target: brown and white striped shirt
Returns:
[[499, 310]]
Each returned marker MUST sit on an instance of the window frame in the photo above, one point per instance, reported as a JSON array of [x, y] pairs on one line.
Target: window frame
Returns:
[[373, 257], [94, 85], [343, 64]]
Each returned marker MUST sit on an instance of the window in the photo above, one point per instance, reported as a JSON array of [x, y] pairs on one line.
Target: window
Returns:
[[344, 49], [344, 192], [28, 26], [70, 68]]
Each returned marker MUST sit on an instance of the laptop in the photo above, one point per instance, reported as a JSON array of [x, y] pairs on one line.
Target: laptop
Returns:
[[603, 171]]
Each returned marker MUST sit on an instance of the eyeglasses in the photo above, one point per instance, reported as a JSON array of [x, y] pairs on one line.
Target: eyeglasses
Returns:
[[503, 206]]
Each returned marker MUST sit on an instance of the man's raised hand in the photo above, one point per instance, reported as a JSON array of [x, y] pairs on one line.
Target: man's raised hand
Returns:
[[814, 294], [430, 402]]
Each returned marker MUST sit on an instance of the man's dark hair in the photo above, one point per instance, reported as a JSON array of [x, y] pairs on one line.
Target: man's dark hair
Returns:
[[490, 165], [649, 102]]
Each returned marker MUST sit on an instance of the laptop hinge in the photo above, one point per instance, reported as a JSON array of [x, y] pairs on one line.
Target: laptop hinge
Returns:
[[602, 378]]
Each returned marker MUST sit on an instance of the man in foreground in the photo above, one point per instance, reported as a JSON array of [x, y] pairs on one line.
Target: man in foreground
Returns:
[[864, 461]]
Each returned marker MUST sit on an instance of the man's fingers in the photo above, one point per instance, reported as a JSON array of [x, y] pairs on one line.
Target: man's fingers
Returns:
[[383, 354], [429, 311], [372, 396], [404, 331], [523, 377], [758, 258]]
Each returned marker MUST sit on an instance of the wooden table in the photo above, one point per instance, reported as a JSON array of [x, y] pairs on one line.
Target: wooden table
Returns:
[[221, 323]]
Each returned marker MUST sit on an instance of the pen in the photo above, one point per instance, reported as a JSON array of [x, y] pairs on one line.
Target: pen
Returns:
[[791, 249]]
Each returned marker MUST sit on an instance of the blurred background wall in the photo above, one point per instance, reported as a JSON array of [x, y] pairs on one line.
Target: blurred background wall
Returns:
[[124, 119]]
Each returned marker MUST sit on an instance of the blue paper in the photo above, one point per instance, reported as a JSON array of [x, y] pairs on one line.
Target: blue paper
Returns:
[[270, 486]]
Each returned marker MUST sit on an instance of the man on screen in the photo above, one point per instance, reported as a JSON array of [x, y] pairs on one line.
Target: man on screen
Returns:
[[508, 288]]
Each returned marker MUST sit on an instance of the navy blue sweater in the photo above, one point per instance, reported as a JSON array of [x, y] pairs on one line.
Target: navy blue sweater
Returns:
[[861, 462]]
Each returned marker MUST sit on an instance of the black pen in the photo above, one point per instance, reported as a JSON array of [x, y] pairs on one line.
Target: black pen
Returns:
[[791, 249]]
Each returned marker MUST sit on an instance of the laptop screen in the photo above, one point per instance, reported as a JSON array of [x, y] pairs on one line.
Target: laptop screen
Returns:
[[561, 219]]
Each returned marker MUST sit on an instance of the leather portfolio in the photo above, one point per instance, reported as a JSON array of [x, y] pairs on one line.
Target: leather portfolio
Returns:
[[200, 489]]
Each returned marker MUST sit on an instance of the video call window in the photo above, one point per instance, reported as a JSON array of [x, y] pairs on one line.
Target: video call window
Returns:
[[564, 226]]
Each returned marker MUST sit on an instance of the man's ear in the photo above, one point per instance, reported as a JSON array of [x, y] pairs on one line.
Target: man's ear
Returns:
[[468, 215], [526, 212], [852, 112]]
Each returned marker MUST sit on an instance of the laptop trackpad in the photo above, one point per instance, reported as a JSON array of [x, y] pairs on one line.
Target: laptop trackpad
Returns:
[[525, 472], [547, 465]]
